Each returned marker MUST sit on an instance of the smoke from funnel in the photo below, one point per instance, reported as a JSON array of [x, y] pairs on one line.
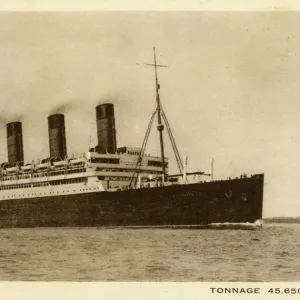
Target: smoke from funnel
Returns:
[[6, 118], [61, 108]]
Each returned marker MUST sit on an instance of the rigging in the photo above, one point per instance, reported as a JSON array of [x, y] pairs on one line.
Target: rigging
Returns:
[[160, 127]]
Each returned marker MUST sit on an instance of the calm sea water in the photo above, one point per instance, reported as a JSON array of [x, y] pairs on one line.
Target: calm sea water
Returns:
[[93, 254]]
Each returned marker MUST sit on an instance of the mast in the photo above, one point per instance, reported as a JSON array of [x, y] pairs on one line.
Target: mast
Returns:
[[160, 126]]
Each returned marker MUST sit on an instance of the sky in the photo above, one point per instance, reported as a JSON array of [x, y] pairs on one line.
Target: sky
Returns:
[[231, 91]]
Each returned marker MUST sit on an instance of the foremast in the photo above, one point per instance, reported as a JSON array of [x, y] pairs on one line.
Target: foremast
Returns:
[[160, 126]]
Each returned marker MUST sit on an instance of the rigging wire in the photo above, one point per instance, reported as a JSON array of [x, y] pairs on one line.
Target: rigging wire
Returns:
[[160, 128], [142, 152], [174, 146]]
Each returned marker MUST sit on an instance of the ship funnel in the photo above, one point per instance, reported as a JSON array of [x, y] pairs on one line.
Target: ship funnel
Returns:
[[106, 131], [14, 143], [57, 136]]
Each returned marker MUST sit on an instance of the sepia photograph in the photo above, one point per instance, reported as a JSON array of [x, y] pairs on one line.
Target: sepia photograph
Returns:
[[150, 146]]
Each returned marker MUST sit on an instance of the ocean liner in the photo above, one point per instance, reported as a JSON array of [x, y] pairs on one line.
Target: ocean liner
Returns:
[[109, 186]]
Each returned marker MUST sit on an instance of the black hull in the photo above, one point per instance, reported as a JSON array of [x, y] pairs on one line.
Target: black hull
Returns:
[[232, 201]]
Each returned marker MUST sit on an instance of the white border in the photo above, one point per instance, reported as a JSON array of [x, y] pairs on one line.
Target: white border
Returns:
[[142, 291], [154, 5]]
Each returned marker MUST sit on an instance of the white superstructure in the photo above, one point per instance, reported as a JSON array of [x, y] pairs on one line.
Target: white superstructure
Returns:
[[90, 172]]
